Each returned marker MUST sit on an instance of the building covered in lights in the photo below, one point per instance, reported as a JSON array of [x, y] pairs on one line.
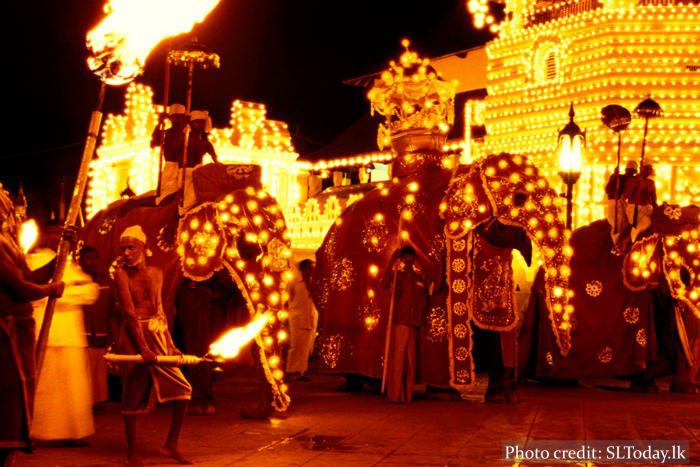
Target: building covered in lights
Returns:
[[549, 55], [593, 53], [126, 159], [513, 95]]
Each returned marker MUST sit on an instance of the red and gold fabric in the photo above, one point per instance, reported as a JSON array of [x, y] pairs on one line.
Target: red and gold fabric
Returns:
[[353, 306], [438, 215], [671, 247], [511, 189], [613, 333], [243, 231]]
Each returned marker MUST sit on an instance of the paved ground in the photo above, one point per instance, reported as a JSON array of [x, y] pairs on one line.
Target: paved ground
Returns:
[[325, 427]]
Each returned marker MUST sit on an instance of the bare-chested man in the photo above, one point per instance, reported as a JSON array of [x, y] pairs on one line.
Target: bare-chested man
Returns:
[[145, 331], [18, 286]]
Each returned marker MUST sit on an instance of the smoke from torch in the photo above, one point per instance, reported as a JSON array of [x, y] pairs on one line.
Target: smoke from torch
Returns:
[[120, 44]]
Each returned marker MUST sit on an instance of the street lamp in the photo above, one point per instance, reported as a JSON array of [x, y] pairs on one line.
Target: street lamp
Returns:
[[570, 146]]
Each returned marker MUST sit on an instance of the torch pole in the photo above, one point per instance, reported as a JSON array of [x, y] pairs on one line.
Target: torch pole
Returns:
[[64, 245], [188, 109], [617, 180], [387, 336], [640, 173], [166, 91]]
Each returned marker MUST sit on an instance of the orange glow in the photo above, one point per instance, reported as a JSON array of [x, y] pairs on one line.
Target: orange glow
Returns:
[[120, 44], [28, 234], [232, 342]]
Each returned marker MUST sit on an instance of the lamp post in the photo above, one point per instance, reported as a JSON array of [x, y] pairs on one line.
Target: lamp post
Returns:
[[570, 144]]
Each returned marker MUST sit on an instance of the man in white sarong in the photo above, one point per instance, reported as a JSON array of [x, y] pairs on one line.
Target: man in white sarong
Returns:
[[303, 319]]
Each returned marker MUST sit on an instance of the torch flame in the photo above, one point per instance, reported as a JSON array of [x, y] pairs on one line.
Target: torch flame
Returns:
[[120, 44], [232, 342], [28, 234]]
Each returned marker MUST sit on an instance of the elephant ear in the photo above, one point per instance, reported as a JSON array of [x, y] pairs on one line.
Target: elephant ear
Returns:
[[465, 205], [641, 268], [672, 219], [200, 240], [681, 263], [520, 196]]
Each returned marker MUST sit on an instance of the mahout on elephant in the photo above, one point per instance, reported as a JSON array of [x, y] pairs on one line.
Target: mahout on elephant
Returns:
[[224, 262]]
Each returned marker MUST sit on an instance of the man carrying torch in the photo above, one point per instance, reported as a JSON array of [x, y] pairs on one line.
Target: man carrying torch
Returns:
[[144, 331]]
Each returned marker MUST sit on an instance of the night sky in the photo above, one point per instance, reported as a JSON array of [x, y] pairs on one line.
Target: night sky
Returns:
[[290, 55]]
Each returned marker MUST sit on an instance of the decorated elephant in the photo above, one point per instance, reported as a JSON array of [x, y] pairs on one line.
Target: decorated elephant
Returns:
[[465, 230], [235, 236], [638, 312], [463, 224]]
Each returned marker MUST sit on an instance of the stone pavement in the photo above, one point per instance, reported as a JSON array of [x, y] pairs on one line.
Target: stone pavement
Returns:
[[325, 427]]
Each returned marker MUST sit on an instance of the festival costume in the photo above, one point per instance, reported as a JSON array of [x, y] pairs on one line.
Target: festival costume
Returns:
[[144, 385], [615, 333], [63, 400], [17, 332], [303, 319], [640, 196], [615, 202], [410, 304]]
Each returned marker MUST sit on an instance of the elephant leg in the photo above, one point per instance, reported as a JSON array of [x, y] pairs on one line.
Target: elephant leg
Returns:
[[194, 315], [263, 409], [682, 381], [501, 367], [644, 381]]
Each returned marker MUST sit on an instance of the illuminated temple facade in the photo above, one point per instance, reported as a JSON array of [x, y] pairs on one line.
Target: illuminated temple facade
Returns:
[[593, 53], [126, 163], [547, 56], [126, 159]]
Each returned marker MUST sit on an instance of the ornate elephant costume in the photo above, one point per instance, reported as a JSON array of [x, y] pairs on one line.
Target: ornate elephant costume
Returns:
[[452, 225], [508, 190], [636, 309], [241, 230], [463, 224]]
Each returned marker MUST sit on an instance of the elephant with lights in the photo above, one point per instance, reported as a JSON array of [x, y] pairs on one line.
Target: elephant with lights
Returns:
[[464, 226], [638, 307], [236, 235]]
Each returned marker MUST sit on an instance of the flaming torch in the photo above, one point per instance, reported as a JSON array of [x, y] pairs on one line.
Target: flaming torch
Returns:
[[119, 46], [28, 234], [234, 340], [225, 348]]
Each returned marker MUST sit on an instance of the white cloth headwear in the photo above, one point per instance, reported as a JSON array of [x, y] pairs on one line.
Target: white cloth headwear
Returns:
[[202, 115], [136, 232], [199, 115], [176, 109]]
